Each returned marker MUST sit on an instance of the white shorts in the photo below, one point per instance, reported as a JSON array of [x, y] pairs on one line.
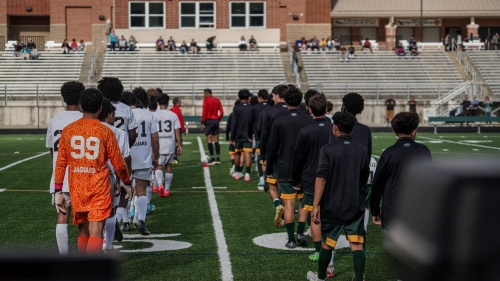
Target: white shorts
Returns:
[[66, 197], [142, 174], [166, 159]]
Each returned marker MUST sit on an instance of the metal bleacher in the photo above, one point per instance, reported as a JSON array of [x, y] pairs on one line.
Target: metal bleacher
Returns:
[[488, 64], [27, 79], [377, 75], [188, 74]]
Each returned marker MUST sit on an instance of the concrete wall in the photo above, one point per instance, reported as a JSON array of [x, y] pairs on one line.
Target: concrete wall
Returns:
[[308, 30]]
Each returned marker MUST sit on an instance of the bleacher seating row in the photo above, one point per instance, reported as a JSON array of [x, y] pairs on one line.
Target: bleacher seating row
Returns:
[[217, 46], [488, 64]]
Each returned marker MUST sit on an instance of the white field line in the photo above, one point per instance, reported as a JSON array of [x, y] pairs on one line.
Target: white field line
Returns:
[[225, 262], [378, 157], [462, 143], [24, 160]]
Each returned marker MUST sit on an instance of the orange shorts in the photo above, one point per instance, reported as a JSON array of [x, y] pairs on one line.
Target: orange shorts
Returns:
[[93, 216]]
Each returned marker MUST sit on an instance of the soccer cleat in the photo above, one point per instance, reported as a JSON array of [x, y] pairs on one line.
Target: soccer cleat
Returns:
[[278, 221], [260, 185], [166, 193], [142, 228], [155, 188], [314, 256], [290, 244], [118, 232], [301, 240], [218, 162], [175, 162], [364, 279], [247, 177], [150, 209], [232, 171], [312, 276], [330, 271], [131, 214], [308, 232], [161, 191], [126, 227], [211, 162], [136, 222], [237, 176], [110, 251]]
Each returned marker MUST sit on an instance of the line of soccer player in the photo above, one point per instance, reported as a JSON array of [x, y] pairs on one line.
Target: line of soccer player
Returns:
[[105, 138]]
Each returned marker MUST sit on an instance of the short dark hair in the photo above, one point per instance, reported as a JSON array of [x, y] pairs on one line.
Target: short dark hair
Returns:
[[152, 103], [128, 98], [263, 94], [91, 100], [317, 104], [176, 101], [159, 90], [163, 99], [237, 102], [310, 93], [353, 103], [207, 90], [291, 86], [70, 92], [107, 108], [111, 88], [141, 95], [405, 122], [270, 100], [139, 104], [254, 100], [243, 94], [344, 121], [293, 97], [329, 106], [280, 90]]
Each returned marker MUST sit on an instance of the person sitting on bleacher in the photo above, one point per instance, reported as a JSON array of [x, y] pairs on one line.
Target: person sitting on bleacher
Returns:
[[74, 45], [131, 43], [413, 50], [399, 50], [193, 46], [253, 43], [81, 46], [351, 51], [210, 43], [65, 47], [25, 53], [171, 44], [412, 40], [122, 43], [184, 47], [34, 53], [343, 54], [18, 46], [30, 44], [329, 44], [315, 44], [322, 44], [336, 44], [242, 44], [160, 44], [367, 45], [303, 43]]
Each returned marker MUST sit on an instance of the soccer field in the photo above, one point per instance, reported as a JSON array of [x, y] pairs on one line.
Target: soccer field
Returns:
[[222, 233]]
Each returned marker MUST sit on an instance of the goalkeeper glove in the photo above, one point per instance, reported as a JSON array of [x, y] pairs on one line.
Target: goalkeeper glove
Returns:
[[60, 203]]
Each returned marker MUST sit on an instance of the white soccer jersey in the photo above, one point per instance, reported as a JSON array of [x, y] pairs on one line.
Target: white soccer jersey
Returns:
[[141, 151], [122, 138], [124, 118], [56, 126], [168, 122], [373, 167]]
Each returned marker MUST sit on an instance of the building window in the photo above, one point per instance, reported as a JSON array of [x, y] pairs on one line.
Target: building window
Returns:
[[248, 15], [147, 14], [197, 15]]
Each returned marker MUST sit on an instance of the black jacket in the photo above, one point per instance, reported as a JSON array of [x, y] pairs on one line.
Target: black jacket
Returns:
[[387, 180], [241, 128], [257, 109], [267, 121], [228, 126]]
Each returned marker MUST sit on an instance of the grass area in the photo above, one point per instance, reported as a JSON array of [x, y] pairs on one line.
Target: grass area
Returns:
[[245, 214]]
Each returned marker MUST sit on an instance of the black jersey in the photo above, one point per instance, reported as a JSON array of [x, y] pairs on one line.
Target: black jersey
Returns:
[[257, 109], [387, 180], [228, 126], [310, 140], [303, 109], [344, 164], [362, 135], [241, 128], [283, 137], [271, 114]]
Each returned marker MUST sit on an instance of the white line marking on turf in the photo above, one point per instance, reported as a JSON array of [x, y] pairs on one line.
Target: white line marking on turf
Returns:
[[444, 149], [378, 157], [464, 143], [186, 142], [225, 262], [214, 187], [24, 160]]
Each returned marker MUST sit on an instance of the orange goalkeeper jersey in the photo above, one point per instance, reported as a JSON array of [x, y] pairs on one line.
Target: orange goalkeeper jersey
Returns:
[[85, 147]]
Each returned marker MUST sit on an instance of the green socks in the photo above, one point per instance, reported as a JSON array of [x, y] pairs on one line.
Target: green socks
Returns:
[[232, 162], [248, 170], [289, 230], [276, 203], [358, 260], [300, 227], [259, 167], [323, 261], [317, 246]]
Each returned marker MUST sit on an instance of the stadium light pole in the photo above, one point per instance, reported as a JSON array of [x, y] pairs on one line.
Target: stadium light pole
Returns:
[[421, 20]]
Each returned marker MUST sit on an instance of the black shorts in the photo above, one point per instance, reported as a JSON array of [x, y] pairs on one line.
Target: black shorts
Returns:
[[211, 127]]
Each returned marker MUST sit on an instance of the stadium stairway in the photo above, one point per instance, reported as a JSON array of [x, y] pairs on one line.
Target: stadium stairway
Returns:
[[22, 79], [487, 63], [181, 75], [382, 73]]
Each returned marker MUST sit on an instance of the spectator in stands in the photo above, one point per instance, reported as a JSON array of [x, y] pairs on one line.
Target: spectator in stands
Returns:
[[329, 108], [315, 44], [367, 45], [74, 45], [487, 108], [132, 43], [34, 53], [112, 39], [495, 41], [303, 44], [253, 43], [160, 44], [25, 53], [65, 47], [343, 54], [399, 50], [351, 51], [389, 110], [413, 104], [193, 46], [413, 50], [322, 44], [336, 44], [412, 40], [210, 43], [465, 106], [459, 41], [184, 47], [452, 107], [18, 46], [30, 44], [329, 43], [446, 42], [171, 44], [295, 57], [81, 46], [242, 44], [122, 43], [474, 106]]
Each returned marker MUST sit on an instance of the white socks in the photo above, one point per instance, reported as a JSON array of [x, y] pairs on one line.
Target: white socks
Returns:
[[332, 261], [159, 177], [119, 214], [367, 217], [142, 207], [109, 227], [126, 214], [168, 180], [62, 238]]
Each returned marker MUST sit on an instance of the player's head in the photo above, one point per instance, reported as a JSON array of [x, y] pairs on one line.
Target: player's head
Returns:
[[111, 88], [353, 103], [152, 92], [343, 123], [139, 104], [405, 124], [263, 94], [108, 112], [270, 100], [237, 102], [141, 95], [329, 106], [309, 94], [279, 92], [70, 92], [128, 98], [153, 105], [317, 105], [243, 94], [159, 90], [293, 97], [91, 101], [207, 93], [163, 100], [177, 102], [254, 100]]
